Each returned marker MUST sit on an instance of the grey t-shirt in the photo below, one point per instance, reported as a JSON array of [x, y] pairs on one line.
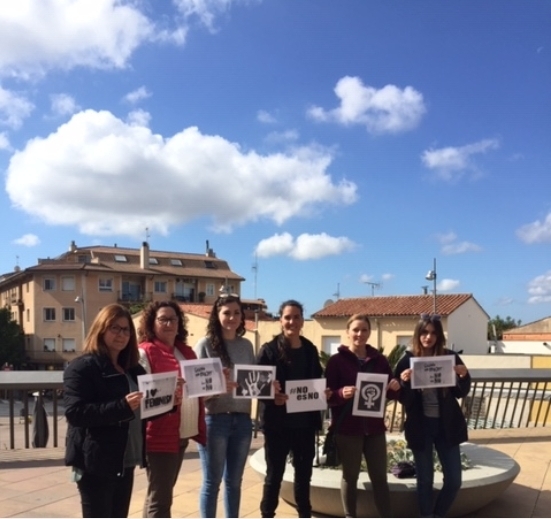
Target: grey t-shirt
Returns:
[[240, 351]]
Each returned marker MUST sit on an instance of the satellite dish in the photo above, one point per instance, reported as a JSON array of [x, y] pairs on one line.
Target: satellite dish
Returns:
[[328, 302]]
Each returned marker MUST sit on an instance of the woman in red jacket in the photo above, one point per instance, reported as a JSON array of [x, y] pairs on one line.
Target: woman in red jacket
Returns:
[[356, 435], [164, 334]]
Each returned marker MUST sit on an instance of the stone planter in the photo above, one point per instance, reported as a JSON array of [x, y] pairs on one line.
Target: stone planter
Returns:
[[491, 474]]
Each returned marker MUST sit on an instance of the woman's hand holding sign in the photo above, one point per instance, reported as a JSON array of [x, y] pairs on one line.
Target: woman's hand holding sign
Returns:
[[230, 384], [348, 392], [134, 399]]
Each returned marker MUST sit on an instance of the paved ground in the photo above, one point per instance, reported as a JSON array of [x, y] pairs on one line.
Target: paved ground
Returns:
[[35, 483]]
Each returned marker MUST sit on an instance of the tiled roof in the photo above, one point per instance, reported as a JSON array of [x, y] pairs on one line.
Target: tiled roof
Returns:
[[382, 306], [203, 310]]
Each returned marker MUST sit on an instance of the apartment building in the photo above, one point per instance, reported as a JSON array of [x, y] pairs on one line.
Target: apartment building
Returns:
[[56, 300]]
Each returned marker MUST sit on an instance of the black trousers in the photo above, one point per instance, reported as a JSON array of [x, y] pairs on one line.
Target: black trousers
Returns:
[[106, 496], [277, 445]]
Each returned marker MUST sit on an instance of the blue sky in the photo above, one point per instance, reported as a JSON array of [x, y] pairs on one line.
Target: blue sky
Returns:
[[331, 144]]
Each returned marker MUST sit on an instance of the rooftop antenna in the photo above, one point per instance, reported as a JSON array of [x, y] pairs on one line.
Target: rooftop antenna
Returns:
[[373, 286], [147, 235], [337, 294], [255, 270]]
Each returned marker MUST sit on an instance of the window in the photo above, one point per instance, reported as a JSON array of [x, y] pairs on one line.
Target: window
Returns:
[[210, 264], [120, 258], [69, 344], [153, 261], [68, 314], [105, 284], [67, 283], [176, 262], [83, 258], [28, 315], [209, 289], [49, 314], [49, 344], [49, 284], [160, 286]]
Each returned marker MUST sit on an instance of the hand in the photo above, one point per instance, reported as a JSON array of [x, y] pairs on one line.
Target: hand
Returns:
[[406, 375], [179, 392], [348, 392], [134, 399], [328, 393], [461, 370], [280, 398], [230, 384], [253, 383], [394, 385]]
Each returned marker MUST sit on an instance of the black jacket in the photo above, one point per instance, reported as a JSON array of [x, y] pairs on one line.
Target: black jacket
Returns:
[[452, 419], [98, 415], [272, 415]]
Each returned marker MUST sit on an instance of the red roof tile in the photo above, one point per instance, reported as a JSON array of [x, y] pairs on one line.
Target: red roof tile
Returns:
[[394, 305]]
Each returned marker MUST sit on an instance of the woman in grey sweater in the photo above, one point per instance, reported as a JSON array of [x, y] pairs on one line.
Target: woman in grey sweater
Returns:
[[229, 425]]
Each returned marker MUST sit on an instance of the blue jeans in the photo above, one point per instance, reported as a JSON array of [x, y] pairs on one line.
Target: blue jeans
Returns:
[[450, 459], [229, 438]]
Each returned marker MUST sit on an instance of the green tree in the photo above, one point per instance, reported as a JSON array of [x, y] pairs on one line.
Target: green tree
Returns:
[[501, 325], [12, 340]]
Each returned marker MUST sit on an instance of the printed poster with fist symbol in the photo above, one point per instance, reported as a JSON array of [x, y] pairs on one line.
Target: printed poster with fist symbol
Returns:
[[370, 395]]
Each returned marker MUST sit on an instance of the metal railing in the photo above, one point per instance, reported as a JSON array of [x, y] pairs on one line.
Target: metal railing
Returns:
[[499, 399]]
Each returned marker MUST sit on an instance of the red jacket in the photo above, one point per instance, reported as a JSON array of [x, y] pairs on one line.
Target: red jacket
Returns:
[[163, 434]]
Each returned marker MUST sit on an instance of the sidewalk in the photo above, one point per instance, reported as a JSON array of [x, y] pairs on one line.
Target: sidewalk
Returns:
[[35, 483]]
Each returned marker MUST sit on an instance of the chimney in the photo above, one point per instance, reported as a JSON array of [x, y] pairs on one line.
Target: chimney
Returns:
[[72, 246], [144, 256]]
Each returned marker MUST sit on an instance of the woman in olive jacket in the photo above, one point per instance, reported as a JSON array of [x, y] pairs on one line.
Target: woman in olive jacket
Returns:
[[105, 436], [434, 418]]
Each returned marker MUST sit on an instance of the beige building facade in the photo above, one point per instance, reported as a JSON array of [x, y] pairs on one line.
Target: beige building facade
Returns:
[[56, 300]]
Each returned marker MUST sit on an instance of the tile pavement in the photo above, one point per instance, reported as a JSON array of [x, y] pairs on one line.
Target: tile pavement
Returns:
[[35, 483]]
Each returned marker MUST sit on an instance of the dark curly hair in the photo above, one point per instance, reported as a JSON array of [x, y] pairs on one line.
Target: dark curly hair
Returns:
[[214, 329], [146, 330], [283, 344]]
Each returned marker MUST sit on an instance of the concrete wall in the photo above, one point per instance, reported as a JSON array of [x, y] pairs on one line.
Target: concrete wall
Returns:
[[468, 328], [523, 347]]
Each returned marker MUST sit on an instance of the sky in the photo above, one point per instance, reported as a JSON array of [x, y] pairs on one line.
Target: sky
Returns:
[[324, 149]]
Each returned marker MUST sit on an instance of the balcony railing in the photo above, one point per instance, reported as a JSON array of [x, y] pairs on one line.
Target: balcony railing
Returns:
[[499, 399]]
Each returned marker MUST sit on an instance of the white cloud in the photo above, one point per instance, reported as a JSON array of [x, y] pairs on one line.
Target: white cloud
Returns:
[[27, 240], [447, 284], [4, 141], [139, 117], [63, 104], [451, 246], [452, 162], [205, 10], [305, 247], [13, 107], [137, 95], [536, 232], [540, 289], [365, 278], [387, 110], [38, 35], [387, 277], [109, 177], [265, 117], [286, 137]]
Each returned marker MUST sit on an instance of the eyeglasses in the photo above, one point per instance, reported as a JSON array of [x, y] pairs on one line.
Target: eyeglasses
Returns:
[[116, 329], [166, 320], [430, 317]]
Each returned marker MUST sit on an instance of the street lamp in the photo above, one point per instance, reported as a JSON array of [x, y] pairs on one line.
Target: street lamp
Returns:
[[80, 299], [431, 276]]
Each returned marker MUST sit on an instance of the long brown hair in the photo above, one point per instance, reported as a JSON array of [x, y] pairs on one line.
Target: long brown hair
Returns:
[[214, 328], [94, 343], [420, 327], [146, 329]]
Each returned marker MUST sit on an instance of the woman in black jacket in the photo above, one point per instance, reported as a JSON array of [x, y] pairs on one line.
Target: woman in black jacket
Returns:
[[295, 358], [434, 418], [105, 437]]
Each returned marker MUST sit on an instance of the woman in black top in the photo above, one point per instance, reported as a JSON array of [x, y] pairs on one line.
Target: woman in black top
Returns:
[[295, 358], [105, 437]]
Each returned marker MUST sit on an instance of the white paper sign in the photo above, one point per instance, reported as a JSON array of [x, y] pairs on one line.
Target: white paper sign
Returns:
[[158, 393], [204, 377], [432, 371], [370, 395], [254, 381], [306, 395]]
